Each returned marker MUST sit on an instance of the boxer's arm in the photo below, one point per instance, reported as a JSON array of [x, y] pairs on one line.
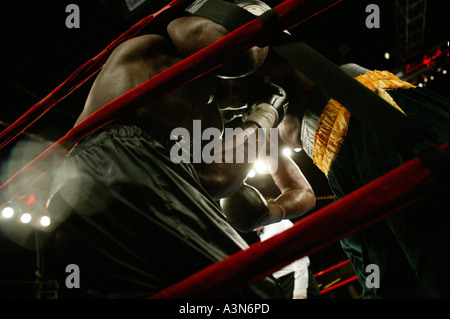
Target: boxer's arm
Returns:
[[130, 64], [246, 209], [241, 147], [297, 196], [222, 178], [298, 87]]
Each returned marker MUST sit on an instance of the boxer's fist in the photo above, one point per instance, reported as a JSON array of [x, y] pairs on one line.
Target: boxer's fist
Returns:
[[246, 209], [269, 108]]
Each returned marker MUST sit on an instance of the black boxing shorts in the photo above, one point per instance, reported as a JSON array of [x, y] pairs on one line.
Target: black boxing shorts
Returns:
[[133, 221]]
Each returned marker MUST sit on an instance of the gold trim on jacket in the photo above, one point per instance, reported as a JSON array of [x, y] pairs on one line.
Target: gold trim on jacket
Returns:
[[335, 118]]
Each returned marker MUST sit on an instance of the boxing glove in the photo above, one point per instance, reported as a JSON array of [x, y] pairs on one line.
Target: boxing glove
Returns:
[[246, 209], [237, 93], [269, 107]]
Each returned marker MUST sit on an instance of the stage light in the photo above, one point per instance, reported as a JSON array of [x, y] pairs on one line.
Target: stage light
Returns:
[[260, 167], [297, 150], [45, 221], [444, 71], [287, 152], [25, 218], [387, 55], [8, 212]]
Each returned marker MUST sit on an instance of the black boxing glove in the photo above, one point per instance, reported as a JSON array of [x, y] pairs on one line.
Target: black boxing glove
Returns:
[[237, 93], [270, 107], [246, 209]]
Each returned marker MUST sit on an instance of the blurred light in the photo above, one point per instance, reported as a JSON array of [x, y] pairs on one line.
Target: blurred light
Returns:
[[387, 55], [45, 221], [251, 174], [444, 71], [431, 77], [26, 218], [425, 80], [8, 212], [297, 150], [287, 152], [420, 85], [260, 167]]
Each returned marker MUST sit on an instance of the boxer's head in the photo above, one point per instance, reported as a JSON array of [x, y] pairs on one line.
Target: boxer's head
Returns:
[[251, 61], [190, 34]]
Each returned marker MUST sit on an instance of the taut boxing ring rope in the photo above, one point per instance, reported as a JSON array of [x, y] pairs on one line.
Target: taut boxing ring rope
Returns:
[[371, 203], [79, 77], [200, 63], [360, 209]]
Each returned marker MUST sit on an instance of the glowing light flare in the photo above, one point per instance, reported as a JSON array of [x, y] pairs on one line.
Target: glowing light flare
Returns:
[[252, 173], [260, 167], [287, 152], [25, 218], [8, 212], [45, 221]]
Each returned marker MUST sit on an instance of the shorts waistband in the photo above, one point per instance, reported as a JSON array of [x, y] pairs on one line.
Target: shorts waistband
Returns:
[[154, 128], [150, 128]]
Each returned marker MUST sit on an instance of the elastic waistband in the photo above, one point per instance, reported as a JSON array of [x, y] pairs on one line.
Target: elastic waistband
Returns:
[[153, 128], [147, 128]]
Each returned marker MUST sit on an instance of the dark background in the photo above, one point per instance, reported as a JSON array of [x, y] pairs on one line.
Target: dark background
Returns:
[[38, 52]]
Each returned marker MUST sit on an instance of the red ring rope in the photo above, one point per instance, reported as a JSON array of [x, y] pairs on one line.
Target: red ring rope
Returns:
[[342, 283], [371, 203], [229, 47], [320, 273], [79, 77], [358, 210]]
